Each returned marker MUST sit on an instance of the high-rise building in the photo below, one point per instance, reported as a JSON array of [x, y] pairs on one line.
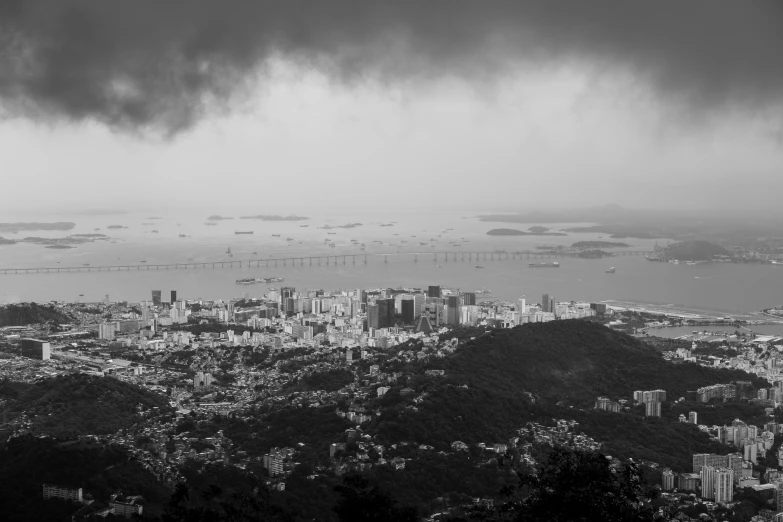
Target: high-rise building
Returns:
[[708, 482], [380, 314], [373, 318], [202, 380], [173, 296], [433, 312], [418, 303], [36, 349], [667, 480], [724, 485], [286, 292], [545, 303], [107, 331], [407, 308], [552, 304], [652, 409], [692, 416], [469, 299], [434, 291], [156, 297], [273, 462], [452, 312]]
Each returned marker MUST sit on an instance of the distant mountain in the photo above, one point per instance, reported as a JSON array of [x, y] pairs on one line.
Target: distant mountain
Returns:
[[264, 217], [606, 213], [69, 406], [31, 313], [532, 231], [16, 227]]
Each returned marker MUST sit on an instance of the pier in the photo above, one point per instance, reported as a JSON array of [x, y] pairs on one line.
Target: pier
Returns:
[[343, 259]]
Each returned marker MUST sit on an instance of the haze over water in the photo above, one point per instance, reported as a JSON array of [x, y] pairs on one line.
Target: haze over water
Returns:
[[731, 288]]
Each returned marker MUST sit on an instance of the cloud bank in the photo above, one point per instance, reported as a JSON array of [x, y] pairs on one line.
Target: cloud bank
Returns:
[[166, 64]]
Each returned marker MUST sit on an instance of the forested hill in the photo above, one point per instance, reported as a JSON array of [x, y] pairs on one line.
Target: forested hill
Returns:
[[27, 462], [497, 382], [73, 405], [575, 361], [22, 314]]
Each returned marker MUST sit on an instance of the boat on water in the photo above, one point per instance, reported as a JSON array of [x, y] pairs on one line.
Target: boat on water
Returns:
[[275, 235], [553, 264], [142, 261], [479, 266], [304, 226], [243, 232], [86, 264], [289, 239], [182, 235], [610, 270], [154, 231]]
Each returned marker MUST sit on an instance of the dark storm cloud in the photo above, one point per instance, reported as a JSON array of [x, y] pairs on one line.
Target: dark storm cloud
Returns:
[[163, 63]]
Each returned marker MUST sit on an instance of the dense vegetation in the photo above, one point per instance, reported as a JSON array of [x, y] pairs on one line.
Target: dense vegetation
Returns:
[[503, 379], [73, 405], [695, 251], [22, 314], [331, 380], [574, 361], [28, 462]]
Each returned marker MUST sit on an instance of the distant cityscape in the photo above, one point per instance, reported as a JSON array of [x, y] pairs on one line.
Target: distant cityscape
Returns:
[[222, 357]]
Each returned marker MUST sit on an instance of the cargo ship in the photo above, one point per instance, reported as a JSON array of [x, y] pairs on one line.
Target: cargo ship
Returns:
[[553, 264], [610, 270], [243, 232]]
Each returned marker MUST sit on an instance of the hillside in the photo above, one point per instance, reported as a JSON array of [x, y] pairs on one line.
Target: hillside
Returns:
[[28, 462], [22, 314], [497, 382], [695, 251], [73, 405], [575, 361]]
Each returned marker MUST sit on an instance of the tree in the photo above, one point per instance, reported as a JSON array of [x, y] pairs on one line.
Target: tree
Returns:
[[571, 486], [362, 502]]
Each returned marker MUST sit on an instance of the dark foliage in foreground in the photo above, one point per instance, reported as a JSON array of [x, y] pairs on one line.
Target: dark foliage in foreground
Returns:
[[22, 314]]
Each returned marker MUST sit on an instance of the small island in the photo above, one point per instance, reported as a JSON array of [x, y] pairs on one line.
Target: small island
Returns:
[[696, 251], [116, 226], [599, 244], [594, 253], [265, 217], [16, 227], [218, 218], [4, 241], [535, 230]]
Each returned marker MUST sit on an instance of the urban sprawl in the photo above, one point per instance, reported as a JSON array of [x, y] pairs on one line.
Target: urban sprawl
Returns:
[[219, 357]]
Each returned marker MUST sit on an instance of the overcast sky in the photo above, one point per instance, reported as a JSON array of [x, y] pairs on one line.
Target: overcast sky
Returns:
[[282, 108]]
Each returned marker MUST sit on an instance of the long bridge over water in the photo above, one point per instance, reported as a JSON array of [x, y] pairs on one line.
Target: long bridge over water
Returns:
[[446, 256]]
